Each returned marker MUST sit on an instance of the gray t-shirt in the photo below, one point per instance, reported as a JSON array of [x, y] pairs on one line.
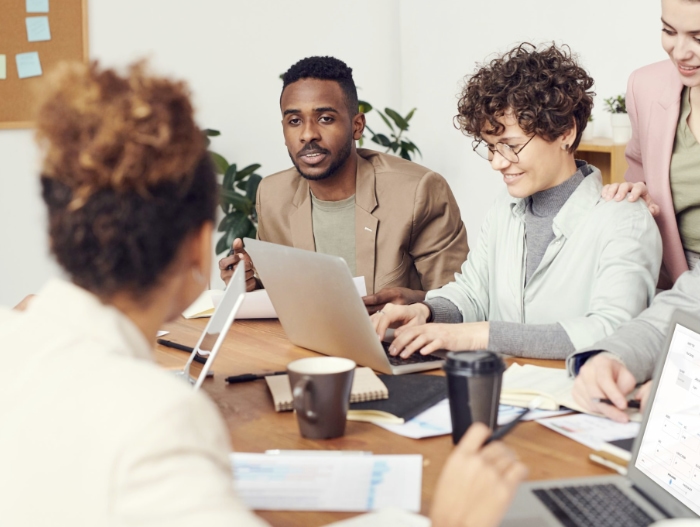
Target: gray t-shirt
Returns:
[[334, 228]]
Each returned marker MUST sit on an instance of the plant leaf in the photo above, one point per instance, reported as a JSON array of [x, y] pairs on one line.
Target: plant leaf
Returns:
[[388, 123], [409, 115], [381, 139], [222, 246], [400, 121], [242, 185], [229, 176], [247, 171], [232, 197], [220, 164], [211, 133], [225, 223], [251, 191], [240, 228], [364, 107]]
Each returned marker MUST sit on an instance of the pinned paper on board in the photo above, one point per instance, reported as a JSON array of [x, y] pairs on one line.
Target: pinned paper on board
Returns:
[[37, 6], [38, 29], [28, 65], [3, 67]]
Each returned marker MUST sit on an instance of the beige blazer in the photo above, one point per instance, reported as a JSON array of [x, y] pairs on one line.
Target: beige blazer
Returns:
[[408, 228], [94, 433], [654, 102]]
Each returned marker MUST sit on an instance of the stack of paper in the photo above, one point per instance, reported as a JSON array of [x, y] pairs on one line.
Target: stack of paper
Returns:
[[328, 481]]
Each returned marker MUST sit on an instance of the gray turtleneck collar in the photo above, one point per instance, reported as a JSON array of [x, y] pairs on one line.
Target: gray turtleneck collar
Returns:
[[540, 211]]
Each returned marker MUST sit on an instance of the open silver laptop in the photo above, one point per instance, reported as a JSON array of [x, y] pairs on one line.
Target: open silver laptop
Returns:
[[663, 479], [320, 309], [215, 332]]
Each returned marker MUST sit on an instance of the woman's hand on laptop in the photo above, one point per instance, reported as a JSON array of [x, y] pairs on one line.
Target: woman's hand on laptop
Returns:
[[393, 316], [604, 377], [477, 482], [428, 338]]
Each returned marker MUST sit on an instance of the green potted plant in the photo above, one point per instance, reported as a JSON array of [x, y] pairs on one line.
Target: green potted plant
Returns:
[[237, 193], [620, 121], [395, 142]]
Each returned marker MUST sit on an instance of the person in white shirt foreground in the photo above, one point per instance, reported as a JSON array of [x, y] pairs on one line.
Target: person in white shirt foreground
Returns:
[[94, 432]]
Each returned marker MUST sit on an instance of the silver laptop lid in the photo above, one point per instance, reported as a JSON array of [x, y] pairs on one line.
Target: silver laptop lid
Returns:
[[317, 303], [214, 334], [665, 462]]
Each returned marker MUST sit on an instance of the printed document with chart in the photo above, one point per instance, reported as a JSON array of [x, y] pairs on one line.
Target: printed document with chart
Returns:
[[670, 451]]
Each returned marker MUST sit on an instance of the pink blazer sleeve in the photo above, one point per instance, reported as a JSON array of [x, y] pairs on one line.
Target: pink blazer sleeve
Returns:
[[633, 152]]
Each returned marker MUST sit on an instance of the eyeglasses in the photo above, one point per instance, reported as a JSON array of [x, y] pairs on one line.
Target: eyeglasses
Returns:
[[508, 152]]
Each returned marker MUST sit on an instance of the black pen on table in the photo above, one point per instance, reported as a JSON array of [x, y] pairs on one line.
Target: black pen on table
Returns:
[[245, 377], [503, 430], [230, 253], [181, 347], [631, 403]]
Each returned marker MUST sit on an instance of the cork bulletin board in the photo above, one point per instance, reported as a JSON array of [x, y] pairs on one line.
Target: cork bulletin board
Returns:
[[35, 35]]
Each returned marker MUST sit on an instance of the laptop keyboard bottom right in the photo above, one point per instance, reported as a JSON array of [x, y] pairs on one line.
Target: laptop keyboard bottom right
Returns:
[[593, 506]]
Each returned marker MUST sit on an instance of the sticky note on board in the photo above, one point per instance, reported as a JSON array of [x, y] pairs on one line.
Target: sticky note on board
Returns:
[[38, 28], [3, 67], [28, 65], [37, 6]]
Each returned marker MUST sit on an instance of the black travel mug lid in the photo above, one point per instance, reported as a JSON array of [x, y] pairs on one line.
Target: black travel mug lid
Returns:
[[474, 363]]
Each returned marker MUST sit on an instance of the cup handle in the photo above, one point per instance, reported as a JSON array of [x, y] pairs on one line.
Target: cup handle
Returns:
[[302, 403]]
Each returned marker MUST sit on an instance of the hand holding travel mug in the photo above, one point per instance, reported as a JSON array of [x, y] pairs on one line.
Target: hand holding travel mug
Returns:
[[321, 391], [474, 389]]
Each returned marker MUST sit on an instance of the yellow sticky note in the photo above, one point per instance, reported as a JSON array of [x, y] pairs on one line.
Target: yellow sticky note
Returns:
[[3, 67]]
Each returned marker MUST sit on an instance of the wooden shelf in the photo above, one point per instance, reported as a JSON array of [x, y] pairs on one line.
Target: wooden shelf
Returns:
[[607, 156]]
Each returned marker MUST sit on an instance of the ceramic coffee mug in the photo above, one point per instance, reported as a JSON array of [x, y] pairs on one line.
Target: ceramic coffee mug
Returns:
[[321, 391]]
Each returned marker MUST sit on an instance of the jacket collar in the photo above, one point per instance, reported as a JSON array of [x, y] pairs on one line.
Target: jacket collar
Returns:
[[671, 95], [583, 199], [73, 307]]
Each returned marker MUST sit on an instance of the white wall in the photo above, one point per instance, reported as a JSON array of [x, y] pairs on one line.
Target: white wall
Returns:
[[404, 53]]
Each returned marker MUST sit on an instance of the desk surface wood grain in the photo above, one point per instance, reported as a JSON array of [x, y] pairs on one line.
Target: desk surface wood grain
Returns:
[[259, 346]]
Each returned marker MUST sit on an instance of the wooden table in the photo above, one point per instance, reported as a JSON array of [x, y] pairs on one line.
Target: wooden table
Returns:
[[261, 346]]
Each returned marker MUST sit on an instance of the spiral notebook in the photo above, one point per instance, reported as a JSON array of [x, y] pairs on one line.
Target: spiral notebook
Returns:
[[366, 386]]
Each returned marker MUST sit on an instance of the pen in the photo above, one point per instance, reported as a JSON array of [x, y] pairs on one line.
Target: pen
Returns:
[[251, 376], [230, 253], [631, 403], [181, 347], [503, 430]]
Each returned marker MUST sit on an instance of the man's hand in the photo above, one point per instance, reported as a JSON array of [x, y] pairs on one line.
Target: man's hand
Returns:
[[394, 295], [618, 191], [228, 265], [602, 377], [477, 484]]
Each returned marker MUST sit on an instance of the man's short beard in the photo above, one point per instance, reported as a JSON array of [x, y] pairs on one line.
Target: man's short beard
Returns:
[[343, 156]]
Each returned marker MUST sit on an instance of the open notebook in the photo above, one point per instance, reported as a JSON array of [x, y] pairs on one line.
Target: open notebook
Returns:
[[366, 386], [522, 384]]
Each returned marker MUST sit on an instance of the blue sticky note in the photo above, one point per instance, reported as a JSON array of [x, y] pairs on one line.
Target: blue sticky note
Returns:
[[38, 28], [28, 65], [37, 6]]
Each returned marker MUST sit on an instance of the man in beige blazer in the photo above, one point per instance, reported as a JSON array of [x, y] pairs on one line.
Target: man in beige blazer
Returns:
[[394, 222]]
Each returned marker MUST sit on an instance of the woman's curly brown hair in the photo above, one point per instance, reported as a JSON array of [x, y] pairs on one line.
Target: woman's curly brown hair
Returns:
[[547, 91], [125, 174]]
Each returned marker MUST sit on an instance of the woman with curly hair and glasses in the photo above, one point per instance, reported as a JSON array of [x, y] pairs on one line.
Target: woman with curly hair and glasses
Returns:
[[556, 267]]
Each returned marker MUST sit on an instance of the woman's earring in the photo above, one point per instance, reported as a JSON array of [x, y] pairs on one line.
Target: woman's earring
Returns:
[[565, 147]]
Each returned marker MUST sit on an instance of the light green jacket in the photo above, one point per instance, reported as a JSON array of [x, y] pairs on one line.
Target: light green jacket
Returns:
[[598, 272]]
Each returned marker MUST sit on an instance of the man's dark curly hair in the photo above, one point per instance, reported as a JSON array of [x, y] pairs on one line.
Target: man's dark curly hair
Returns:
[[325, 69], [547, 91]]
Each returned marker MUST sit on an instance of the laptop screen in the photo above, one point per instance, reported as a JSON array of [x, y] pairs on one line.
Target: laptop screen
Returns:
[[669, 452]]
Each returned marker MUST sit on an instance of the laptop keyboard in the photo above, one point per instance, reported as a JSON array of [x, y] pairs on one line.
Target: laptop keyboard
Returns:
[[593, 506], [413, 359]]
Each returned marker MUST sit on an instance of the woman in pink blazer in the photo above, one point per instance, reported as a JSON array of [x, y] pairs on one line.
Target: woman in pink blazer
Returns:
[[654, 102]]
